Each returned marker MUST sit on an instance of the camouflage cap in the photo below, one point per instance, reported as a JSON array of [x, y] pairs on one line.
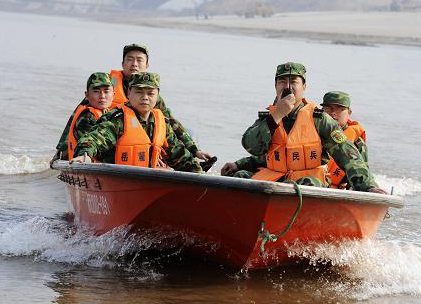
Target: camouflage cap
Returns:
[[291, 68], [97, 80], [144, 80], [337, 98], [137, 47]]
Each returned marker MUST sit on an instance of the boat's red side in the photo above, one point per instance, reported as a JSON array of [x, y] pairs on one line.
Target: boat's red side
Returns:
[[223, 223]]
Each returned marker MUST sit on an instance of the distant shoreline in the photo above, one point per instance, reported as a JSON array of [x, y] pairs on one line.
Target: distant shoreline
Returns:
[[346, 27], [351, 28]]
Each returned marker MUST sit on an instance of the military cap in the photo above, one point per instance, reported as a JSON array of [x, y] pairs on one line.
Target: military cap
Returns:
[[97, 80], [137, 47], [144, 80], [291, 68], [337, 98]]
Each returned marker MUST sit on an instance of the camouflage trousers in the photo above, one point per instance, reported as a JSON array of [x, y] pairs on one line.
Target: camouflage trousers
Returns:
[[306, 181]]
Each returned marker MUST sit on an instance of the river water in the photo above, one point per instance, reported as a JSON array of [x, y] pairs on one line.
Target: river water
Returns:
[[214, 84]]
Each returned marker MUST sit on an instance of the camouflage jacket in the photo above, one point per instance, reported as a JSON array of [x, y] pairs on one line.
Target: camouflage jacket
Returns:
[[177, 127], [83, 124], [361, 146], [100, 142], [256, 140], [251, 163], [62, 143]]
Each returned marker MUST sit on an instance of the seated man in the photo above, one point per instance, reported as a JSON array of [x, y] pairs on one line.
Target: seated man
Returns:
[[294, 135], [99, 95], [136, 133], [338, 105]]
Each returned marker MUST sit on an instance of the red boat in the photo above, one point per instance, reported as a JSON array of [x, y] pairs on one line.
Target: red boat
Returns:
[[220, 218]]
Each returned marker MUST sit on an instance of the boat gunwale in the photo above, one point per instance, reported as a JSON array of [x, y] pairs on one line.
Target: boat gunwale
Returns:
[[249, 185]]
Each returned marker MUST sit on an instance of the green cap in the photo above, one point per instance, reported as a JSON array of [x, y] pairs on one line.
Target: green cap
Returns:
[[337, 98], [144, 80], [293, 68], [137, 47], [97, 80]]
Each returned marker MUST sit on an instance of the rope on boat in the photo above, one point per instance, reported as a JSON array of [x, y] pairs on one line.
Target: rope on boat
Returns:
[[269, 237]]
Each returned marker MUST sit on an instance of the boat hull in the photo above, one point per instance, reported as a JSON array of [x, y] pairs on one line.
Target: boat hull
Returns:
[[213, 217]]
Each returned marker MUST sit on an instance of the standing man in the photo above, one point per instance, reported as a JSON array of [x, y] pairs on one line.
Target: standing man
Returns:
[[294, 136], [136, 60], [136, 133], [338, 105]]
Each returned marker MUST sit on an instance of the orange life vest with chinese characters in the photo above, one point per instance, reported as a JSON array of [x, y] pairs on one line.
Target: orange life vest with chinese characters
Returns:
[[135, 148], [71, 141], [336, 174], [117, 79], [297, 154]]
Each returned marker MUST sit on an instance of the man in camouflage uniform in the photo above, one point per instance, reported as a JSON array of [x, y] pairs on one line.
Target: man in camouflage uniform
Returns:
[[136, 60], [101, 141], [338, 105], [99, 94], [257, 139]]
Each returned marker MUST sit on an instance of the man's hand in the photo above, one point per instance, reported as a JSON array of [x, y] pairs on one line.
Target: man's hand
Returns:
[[283, 107], [203, 155], [229, 169], [377, 190], [81, 159], [162, 165]]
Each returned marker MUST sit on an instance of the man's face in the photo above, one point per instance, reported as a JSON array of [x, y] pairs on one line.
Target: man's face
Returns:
[[101, 97], [143, 99], [297, 86], [339, 113], [135, 62]]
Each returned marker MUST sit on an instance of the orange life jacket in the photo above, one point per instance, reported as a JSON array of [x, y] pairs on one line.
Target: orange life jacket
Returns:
[[117, 79], [297, 154], [71, 141], [336, 174], [135, 148]]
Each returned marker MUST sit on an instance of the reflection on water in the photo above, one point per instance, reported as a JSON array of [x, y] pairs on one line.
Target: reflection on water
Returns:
[[191, 281]]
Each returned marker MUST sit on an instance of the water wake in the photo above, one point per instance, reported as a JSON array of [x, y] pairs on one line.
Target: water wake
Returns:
[[54, 240], [401, 186], [11, 164], [366, 269], [370, 268]]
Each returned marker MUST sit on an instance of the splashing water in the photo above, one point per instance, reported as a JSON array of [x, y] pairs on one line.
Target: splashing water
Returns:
[[371, 268], [401, 186], [49, 240], [10, 164], [53, 240]]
